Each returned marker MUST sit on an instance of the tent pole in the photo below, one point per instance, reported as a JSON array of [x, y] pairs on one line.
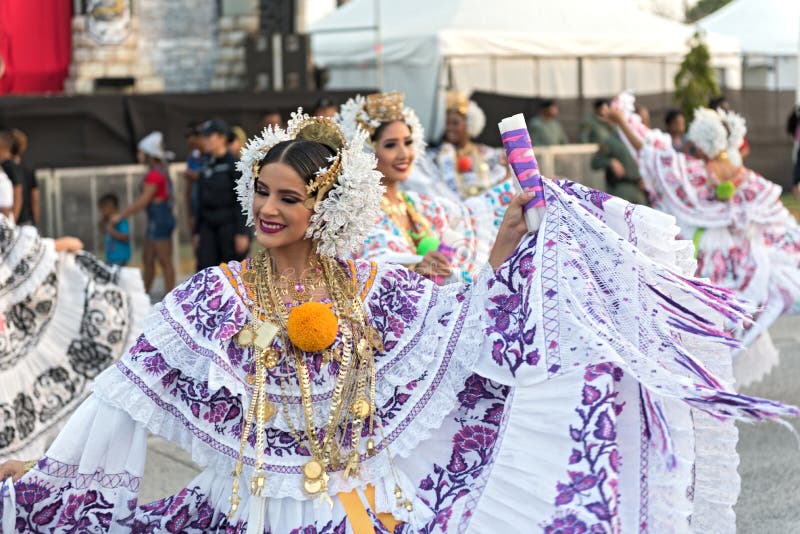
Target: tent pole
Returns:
[[378, 47], [797, 66]]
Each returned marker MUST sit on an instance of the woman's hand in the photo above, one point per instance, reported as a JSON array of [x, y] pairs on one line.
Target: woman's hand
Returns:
[[512, 230], [69, 244], [433, 264], [12, 468], [616, 116]]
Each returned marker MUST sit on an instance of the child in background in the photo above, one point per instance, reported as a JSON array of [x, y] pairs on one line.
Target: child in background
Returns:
[[117, 236]]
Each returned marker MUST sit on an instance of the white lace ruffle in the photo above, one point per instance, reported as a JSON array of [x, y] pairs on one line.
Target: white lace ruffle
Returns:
[[45, 259], [64, 326], [752, 364]]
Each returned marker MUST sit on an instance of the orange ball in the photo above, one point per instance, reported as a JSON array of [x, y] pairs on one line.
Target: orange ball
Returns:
[[464, 164], [312, 327]]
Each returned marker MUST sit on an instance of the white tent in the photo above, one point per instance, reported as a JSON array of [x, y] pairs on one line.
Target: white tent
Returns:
[[562, 49], [769, 32]]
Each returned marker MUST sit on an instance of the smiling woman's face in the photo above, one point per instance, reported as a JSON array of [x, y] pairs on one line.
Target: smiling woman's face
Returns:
[[394, 148], [281, 218]]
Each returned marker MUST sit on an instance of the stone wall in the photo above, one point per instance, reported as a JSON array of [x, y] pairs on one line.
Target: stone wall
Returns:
[[230, 72], [173, 46], [92, 61], [179, 38]]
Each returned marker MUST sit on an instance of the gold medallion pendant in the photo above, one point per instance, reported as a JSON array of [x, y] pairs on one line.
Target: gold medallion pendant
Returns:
[[315, 478], [245, 337]]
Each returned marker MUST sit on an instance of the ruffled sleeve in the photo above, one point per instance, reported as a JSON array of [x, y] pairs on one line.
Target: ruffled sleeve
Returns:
[[88, 480], [183, 378]]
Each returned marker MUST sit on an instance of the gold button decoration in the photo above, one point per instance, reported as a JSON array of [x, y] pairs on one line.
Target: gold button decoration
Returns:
[[313, 487], [312, 469], [360, 408], [245, 337]]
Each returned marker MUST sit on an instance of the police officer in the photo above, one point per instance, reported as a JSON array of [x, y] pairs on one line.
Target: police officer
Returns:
[[220, 227]]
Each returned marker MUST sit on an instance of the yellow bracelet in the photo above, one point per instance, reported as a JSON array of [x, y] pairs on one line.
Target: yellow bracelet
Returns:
[[30, 464]]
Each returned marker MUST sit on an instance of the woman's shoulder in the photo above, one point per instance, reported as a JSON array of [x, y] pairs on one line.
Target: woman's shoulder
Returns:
[[212, 302]]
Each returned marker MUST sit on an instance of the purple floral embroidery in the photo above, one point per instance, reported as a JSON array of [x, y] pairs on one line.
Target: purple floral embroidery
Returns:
[[597, 198], [154, 364], [70, 510], [567, 524], [479, 418], [31, 493], [215, 317], [595, 460], [394, 303]]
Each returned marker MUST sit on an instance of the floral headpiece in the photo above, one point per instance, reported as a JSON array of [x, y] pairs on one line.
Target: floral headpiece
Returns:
[[373, 110], [345, 195], [707, 132], [476, 119]]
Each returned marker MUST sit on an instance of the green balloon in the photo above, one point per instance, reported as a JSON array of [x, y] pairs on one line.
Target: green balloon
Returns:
[[427, 243]]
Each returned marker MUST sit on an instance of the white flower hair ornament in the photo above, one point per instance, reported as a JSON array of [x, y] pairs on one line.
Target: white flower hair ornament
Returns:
[[373, 110], [345, 196], [473, 114], [737, 129], [707, 132], [476, 120]]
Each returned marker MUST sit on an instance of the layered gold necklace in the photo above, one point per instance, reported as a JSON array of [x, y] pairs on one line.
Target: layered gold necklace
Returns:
[[402, 212], [479, 167], [336, 443]]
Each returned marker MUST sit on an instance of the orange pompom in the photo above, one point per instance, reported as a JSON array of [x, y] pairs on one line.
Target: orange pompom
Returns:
[[312, 326]]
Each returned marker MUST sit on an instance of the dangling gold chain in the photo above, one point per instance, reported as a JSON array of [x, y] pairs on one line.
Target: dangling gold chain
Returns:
[[352, 403], [403, 211]]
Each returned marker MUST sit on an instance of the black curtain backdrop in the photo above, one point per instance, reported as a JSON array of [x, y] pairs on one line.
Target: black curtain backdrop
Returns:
[[91, 130], [76, 131]]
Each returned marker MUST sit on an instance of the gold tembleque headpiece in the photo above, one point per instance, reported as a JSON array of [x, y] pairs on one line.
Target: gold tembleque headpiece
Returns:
[[457, 101], [325, 131], [383, 107]]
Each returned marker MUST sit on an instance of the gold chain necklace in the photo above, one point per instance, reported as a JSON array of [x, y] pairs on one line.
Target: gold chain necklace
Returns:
[[479, 168], [352, 403], [401, 212]]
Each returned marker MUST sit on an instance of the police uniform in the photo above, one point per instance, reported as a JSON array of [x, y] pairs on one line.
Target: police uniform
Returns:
[[219, 216]]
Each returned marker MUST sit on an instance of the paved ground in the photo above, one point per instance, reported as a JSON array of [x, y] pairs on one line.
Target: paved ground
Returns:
[[770, 454]]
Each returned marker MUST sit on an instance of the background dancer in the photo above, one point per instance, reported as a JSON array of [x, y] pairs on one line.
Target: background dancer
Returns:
[[745, 238]]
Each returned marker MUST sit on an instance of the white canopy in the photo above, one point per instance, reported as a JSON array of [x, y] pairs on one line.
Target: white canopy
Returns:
[[560, 49], [769, 32]]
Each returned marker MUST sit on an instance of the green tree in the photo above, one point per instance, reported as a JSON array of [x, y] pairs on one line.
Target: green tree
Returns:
[[696, 81], [703, 8]]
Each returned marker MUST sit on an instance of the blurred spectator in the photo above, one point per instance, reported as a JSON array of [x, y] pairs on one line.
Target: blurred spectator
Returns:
[[613, 157], [117, 235], [643, 113], [6, 195], [10, 169], [194, 163], [675, 123], [545, 128], [237, 138], [325, 107], [793, 129], [271, 117], [26, 192], [220, 232], [156, 198]]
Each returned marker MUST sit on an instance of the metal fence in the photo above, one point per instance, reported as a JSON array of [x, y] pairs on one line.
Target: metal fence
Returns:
[[69, 203]]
